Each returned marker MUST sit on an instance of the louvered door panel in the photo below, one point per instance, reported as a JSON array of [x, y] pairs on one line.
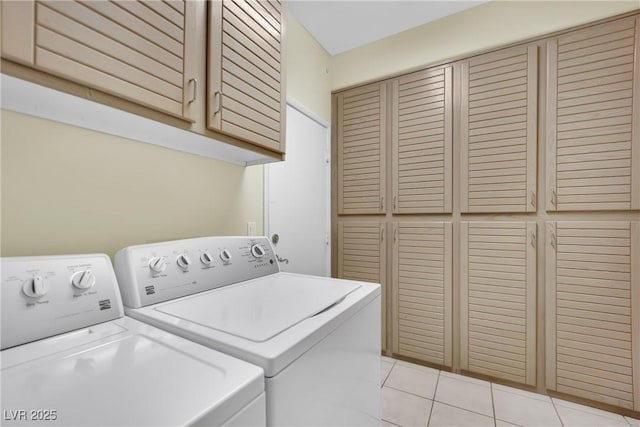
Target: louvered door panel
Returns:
[[593, 299], [361, 121], [498, 139], [246, 76], [498, 299], [136, 50], [362, 256], [422, 302], [593, 118], [422, 142]]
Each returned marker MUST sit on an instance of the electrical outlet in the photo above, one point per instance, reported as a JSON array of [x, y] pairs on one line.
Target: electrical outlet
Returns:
[[251, 228]]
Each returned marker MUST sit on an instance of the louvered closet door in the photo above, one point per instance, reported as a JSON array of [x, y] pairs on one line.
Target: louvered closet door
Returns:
[[498, 121], [498, 299], [593, 118], [593, 310], [361, 128], [246, 93], [421, 137], [362, 256], [422, 302], [138, 50]]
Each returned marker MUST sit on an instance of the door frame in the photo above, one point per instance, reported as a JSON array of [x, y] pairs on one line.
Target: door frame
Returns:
[[265, 191]]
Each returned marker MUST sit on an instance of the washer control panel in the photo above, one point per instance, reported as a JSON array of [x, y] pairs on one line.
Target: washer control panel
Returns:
[[49, 295], [148, 274]]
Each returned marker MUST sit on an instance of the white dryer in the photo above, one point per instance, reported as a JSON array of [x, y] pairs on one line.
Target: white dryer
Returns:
[[70, 357], [317, 339]]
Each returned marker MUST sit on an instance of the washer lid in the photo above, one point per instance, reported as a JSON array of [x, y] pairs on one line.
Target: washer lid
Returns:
[[262, 308], [125, 373]]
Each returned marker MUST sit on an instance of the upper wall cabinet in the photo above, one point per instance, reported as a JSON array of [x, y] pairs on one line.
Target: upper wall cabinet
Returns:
[[137, 50], [593, 118], [246, 90], [421, 134], [361, 130], [498, 122]]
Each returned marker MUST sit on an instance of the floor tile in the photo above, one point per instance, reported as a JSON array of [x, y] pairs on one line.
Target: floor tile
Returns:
[[411, 380], [419, 367], [634, 422], [404, 409], [444, 415], [385, 369], [523, 393], [500, 423], [384, 423], [524, 408], [471, 394], [388, 359], [573, 414]]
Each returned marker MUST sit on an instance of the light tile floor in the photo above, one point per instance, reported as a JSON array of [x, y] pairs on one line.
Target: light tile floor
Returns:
[[414, 395]]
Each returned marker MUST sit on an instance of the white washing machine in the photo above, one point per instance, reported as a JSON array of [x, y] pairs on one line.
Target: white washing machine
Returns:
[[70, 357], [317, 339]]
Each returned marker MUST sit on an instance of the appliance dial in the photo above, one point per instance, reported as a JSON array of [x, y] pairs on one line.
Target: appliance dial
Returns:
[[225, 256], [206, 258], [183, 261], [158, 264], [83, 280], [35, 287], [257, 251]]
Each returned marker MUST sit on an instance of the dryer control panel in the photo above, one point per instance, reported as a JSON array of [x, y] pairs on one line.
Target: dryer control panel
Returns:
[[148, 274], [50, 295]]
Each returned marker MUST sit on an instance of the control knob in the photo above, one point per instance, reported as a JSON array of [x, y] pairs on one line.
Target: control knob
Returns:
[[83, 279], [257, 251], [225, 256], [206, 258], [35, 287], [183, 261], [158, 264]]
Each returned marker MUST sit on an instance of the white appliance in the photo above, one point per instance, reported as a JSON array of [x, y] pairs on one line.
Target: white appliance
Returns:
[[70, 357], [317, 339]]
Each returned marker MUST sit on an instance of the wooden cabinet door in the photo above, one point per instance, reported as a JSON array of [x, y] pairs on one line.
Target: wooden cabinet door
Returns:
[[246, 88], [138, 50], [17, 22], [421, 135], [593, 310], [422, 289], [362, 256], [361, 133], [498, 299], [593, 118], [498, 138]]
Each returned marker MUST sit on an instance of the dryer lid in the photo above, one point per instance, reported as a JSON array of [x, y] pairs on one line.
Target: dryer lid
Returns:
[[260, 309]]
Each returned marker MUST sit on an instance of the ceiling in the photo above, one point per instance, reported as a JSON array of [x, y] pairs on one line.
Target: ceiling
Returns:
[[341, 25]]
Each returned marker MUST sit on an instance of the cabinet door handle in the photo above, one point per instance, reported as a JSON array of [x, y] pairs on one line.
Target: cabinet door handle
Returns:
[[394, 202], [195, 90], [381, 202], [554, 240], [217, 96], [382, 234], [553, 196], [395, 235], [532, 198], [533, 239]]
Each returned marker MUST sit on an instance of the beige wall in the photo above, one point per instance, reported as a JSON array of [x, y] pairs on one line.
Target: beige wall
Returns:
[[308, 80], [489, 25], [71, 190]]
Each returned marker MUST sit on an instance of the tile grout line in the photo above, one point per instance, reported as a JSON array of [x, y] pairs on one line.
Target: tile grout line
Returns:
[[433, 400], [493, 406], [556, 409]]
